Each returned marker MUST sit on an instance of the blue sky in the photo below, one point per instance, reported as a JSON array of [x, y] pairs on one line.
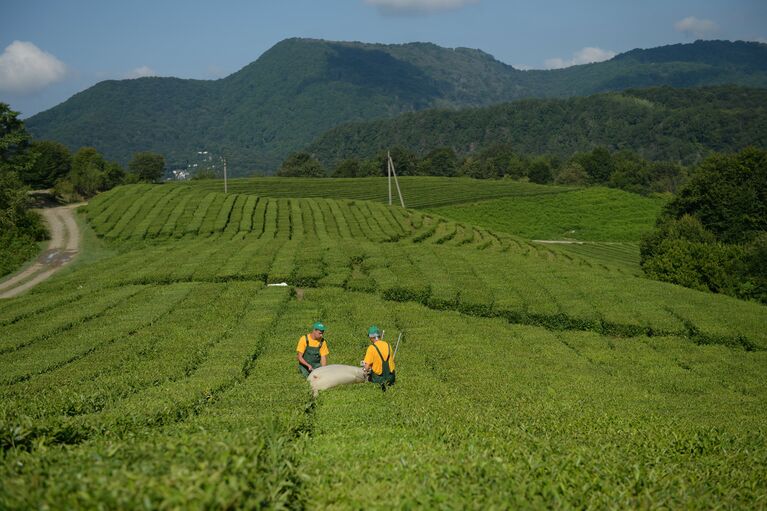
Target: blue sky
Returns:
[[52, 49]]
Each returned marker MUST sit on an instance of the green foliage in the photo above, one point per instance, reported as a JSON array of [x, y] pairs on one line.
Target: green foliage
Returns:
[[20, 228], [598, 164], [14, 142], [52, 161], [148, 166], [705, 266], [439, 162], [347, 168], [301, 165], [540, 171], [728, 194], [301, 88], [91, 173], [755, 261], [711, 234], [572, 174], [204, 173]]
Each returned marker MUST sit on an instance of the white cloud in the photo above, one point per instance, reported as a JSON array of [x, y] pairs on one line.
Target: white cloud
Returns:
[[696, 27], [25, 68], [586, 55], [417, 6], [141, 72]]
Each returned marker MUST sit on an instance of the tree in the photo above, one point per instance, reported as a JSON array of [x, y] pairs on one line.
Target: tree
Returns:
[[667, 176], [630, 173], [478, 169], [728, 194], [14, 142], [598, 164], [148, 166], [114, 175], [540, 171], [20, 228], [405, 161], [52, 162], [439, 162], [347, 168], [301, 165], [369, 168], [572, 174], [498, 161], [87, 173], [516, 166], [713, 234]]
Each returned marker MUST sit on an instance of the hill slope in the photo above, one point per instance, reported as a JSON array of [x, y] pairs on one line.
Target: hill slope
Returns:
[[300, 88], [662, 123]]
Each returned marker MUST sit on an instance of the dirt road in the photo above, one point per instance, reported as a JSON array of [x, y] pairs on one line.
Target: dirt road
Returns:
[[62, 249]]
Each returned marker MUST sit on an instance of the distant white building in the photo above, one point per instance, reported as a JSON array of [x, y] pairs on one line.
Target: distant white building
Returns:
[[181, 174]]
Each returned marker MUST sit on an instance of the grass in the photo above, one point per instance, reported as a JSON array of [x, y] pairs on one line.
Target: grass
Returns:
[[589, 214]]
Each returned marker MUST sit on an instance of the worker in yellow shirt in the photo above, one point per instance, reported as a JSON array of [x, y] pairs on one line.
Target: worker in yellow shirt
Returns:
[[379, 360], [312, 350]]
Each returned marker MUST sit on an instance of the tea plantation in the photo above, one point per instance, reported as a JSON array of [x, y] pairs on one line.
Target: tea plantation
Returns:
[[160, 373]]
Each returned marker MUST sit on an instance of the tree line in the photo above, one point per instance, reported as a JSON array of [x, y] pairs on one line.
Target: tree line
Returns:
[[84, 173], [623, 169]]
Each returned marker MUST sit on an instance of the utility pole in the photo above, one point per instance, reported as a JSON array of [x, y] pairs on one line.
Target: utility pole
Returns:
[[388, 172], [225, 189], [396, 182]]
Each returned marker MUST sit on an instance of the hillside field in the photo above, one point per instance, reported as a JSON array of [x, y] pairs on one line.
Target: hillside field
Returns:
[[158, 370]]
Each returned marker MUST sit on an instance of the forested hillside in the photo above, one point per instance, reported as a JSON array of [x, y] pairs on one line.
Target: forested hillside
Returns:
[[300, 88], [659, 124]]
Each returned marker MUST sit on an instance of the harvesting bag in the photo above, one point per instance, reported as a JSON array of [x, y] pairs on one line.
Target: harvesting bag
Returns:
[[333, 375]]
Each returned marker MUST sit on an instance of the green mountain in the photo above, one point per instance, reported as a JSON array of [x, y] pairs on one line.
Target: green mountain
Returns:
[[660, 124], [302, 87]]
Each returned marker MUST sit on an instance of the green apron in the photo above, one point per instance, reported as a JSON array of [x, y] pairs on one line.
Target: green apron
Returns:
[[387, 376], [312, 356]]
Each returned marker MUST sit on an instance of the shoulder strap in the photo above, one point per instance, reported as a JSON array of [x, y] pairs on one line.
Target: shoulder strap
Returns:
[[306, 339], [379, 353]]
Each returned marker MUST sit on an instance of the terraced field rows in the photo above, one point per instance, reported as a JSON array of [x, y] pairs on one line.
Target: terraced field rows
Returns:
[[558, 419], [521, 285], [418, 192], [163, 375], [117, 215]]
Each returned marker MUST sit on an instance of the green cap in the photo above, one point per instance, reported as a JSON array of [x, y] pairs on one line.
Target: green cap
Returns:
[[373, 331], [319, 326]]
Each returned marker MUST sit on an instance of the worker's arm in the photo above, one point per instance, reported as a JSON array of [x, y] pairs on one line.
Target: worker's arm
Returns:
[[324, 360], [368, 362], [304, 362]]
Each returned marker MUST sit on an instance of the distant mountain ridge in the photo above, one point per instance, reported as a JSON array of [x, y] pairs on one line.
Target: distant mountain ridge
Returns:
[[300, 88]]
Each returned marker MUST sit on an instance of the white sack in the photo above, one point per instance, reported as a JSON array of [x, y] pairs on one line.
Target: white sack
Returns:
[[332, 375]]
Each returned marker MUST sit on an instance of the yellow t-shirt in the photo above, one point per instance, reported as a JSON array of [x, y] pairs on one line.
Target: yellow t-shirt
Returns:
[[373, 360], [301, 347]]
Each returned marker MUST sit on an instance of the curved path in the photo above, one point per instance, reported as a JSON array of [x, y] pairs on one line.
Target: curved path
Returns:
[[62, 249]]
